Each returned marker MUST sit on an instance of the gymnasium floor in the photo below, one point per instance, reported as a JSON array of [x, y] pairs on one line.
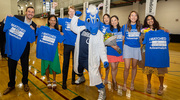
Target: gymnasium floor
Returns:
[[39, 91]]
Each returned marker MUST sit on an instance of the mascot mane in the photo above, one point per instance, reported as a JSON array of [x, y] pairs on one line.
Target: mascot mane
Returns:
[[92, 9]]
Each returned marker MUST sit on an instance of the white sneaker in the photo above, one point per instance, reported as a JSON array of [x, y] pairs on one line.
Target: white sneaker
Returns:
[[102, 94], [80, 80]]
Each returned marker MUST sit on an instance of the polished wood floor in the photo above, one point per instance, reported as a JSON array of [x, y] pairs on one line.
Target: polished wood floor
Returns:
[[39, 91]]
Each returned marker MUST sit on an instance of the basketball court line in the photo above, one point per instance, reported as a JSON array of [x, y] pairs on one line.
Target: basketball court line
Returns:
[[77, 94]]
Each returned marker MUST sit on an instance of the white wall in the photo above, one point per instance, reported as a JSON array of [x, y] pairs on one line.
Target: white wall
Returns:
[[166, 14], [13, 5], [7, 7], [122, 13]]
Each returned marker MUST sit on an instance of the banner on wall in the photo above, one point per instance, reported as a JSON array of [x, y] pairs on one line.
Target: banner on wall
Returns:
[[48, 6], [150, 7], [106, 7], [61, 12], [44, 6], [85, 5]]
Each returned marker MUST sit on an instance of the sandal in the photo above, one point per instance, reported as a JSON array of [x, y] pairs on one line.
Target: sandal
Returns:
[[105, 81], [148, 90], [124, 88], [54, 86], [132, 87], [114, 85], [160, 91], [26, 88], [49, 86]]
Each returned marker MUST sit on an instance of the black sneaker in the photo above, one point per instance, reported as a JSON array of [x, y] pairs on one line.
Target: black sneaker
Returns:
[[4, 55], [64, 86], [73, 82]]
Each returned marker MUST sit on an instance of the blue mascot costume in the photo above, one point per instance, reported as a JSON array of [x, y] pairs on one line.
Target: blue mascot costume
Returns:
[[89, 49]]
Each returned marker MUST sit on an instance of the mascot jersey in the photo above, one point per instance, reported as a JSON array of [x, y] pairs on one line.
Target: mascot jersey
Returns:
[[84, 44], [47, 42], [89, 46], [18, 34], [157, 52]]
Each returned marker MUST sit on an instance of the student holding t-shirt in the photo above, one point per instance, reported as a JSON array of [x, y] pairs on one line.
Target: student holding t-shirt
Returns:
[[20, 32], [131, 49], [47, 50], [69, 42], [160, 57]]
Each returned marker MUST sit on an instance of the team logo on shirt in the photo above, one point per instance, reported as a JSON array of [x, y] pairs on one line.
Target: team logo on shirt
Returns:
[[47, 38], [87, 35], [134, 34], [119, 36], [104, 29], [68, 24], [16, 31], [158, 43]]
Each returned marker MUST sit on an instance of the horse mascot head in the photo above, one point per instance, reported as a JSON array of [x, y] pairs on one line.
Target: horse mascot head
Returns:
[[92, 21]]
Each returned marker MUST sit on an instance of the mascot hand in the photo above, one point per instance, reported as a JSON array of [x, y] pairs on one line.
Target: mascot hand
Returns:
[[106, 64], [78, 13]]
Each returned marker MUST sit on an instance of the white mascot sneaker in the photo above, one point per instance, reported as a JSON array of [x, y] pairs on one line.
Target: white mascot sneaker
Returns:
[[102, 94], [80, 80]]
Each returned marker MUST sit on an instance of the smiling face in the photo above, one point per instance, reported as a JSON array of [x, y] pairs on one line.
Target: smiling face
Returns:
[[114, 22], [133, 17], [52, 22], [106, 20], [150, 21], [71, 12], [29, 13]]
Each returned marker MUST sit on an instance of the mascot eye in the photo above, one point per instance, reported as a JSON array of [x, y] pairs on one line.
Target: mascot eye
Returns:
[[97, 19], [88, 20]]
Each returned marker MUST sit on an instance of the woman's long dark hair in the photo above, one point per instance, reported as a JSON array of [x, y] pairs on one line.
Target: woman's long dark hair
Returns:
[[56, 25], [138, 24], [118, 26], [155, 25], [108, 17]]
